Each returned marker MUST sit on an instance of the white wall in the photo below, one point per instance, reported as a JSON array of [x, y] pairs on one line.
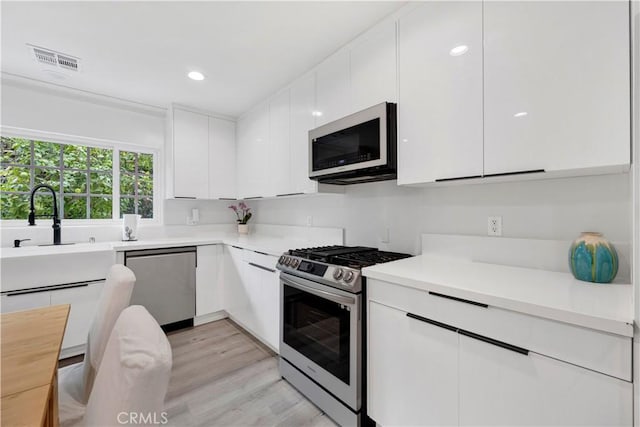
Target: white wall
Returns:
[[211, 211], [546, 209], [49, 109]]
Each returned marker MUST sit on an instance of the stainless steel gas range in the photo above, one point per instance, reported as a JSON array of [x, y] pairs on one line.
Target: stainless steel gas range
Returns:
[[322, 326]]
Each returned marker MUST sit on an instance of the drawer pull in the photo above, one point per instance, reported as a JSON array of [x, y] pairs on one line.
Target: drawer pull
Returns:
[[261, 253], [433, 322], [466, 301], [288, 194], [51, 288], [489, 175], [262, 268], [491, 341], [458, 178]]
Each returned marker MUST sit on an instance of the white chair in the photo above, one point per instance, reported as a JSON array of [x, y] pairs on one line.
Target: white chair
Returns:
[[75, 381], [133, 377]]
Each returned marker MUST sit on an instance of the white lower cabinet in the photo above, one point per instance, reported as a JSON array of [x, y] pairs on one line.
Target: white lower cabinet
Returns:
[[413, 370], [209, 298], [252, 293], [18, 302], [84, 303], [501, 387], [83, 299], [425, 369]]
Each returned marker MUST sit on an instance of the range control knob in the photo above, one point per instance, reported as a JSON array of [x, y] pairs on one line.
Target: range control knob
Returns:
[[337, 274], [348, 276], [295, 263], [281, 260], [289, 261]]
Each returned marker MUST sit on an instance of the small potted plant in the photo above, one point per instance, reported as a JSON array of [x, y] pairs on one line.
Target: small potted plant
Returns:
[[243, 215]]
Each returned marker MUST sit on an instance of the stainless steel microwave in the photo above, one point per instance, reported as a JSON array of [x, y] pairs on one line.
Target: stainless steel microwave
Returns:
[[358, 148]]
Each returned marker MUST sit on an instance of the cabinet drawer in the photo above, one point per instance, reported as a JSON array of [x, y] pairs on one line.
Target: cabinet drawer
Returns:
[[599, 351], [263, 260]]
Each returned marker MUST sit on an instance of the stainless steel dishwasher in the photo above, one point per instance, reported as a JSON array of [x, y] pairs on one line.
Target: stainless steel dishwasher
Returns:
[[165, 283]]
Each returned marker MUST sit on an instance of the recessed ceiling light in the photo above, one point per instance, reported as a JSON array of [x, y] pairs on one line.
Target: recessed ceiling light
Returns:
[[521, 114], [316, 113], [196, 75], [459, 50]]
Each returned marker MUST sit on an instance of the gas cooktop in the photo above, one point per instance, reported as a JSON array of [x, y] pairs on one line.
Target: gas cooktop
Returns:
[[336, 266], [348, 256]]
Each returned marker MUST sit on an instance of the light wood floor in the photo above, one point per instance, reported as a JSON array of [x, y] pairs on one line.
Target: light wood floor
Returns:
[[224, 377]]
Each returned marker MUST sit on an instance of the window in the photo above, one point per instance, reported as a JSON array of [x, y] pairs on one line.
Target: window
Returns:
[[83, 177]]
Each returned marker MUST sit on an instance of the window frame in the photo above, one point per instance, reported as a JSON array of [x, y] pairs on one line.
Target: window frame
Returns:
[[116, 146]]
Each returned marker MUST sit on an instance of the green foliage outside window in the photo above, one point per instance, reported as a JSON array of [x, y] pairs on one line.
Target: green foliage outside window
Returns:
[[81, 176]]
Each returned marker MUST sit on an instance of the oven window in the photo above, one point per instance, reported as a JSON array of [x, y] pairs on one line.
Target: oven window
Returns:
[[357, 144], [318, 329]]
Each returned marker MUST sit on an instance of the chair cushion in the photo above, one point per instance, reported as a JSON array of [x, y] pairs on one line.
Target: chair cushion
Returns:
[[70, 394], [135, 370]]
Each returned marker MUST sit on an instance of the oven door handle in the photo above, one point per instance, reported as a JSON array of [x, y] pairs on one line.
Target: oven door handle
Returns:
[[339, 299]]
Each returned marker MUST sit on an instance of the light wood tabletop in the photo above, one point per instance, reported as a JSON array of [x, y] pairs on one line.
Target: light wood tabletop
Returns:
[[31, 342]]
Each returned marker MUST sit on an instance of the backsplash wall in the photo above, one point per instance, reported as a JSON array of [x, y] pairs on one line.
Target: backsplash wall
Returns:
[[546, 209]]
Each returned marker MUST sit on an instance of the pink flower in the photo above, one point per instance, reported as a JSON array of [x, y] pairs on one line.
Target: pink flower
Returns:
[[242, 205], [233, 208]]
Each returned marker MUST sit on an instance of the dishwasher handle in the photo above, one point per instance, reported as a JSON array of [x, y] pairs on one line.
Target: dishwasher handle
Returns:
[[163, 251]]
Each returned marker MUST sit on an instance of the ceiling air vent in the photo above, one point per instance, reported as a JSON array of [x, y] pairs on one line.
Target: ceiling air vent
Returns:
[[54, 60], [68, 62]]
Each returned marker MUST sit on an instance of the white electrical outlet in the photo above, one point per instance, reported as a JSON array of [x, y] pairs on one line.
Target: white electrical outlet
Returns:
[[494, 226]]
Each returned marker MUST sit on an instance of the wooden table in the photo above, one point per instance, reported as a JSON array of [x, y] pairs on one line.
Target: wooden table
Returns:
[[30, 344]]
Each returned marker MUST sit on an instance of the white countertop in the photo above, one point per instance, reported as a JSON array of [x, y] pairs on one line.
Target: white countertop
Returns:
[[268, 244], [547, 294]]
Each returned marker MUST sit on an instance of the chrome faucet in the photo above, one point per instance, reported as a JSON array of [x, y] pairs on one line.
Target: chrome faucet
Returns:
[[56, 219]]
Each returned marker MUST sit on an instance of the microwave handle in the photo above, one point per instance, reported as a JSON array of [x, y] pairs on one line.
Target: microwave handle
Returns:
[[338, 299]]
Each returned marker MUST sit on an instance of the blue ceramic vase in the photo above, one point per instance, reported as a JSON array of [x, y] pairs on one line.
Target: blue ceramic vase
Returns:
[[593, 259]]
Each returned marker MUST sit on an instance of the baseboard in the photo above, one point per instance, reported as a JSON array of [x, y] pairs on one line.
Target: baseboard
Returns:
[[211, 317], [253, 334]]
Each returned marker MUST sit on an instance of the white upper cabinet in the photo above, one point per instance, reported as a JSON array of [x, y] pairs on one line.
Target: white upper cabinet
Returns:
[[556, 85], [190, 155], [333, 99], [253, 155], [373, 69], [302, 120], [440, 92], [222, 159], [279, 140]]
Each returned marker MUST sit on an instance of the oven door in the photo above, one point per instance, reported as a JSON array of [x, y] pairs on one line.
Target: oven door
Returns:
[[321, 335]]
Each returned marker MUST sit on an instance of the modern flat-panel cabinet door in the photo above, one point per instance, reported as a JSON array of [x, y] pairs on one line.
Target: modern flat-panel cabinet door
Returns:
[[556, 85], [235, 297], [270, 310], [501, 387], [209, 294], [190, 154], [279, 141], [333, 98], [26, 301], [302, 105], [253, 145], [373, 69], [222, 159], [440, 92], [84, 302], [412, 371], [242, 152]]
